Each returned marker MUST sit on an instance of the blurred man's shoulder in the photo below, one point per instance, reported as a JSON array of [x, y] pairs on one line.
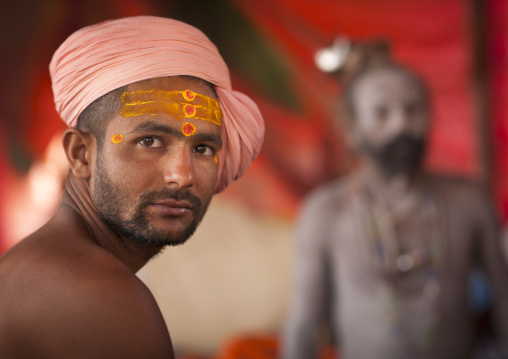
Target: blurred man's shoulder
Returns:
[[459, 184], [466, 193], [331, 194]]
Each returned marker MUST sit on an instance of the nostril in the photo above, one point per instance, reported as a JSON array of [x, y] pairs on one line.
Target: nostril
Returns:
[[180, 171]]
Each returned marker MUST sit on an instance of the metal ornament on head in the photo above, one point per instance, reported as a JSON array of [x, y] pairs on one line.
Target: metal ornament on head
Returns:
[[345, 56]]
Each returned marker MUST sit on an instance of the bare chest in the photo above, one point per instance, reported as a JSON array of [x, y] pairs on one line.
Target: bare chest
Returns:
[[433, 242]]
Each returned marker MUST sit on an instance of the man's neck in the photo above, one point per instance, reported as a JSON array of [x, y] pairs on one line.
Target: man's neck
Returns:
[[77, 196], [391, 188]]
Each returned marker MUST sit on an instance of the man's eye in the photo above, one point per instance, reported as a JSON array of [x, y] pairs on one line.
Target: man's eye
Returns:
[[151, 141], [381, 112], [204, 150], [413, 108]]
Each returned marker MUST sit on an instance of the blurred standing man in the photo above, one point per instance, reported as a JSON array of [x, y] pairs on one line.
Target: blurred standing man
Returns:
[[390, 248], [155, 131]]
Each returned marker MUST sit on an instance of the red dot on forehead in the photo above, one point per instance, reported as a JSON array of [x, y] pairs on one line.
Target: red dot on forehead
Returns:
[[188, 129], [189, 109], [190, 94]]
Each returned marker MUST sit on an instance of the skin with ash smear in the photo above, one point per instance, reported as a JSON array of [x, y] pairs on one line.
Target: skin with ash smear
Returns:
[[78, 271], [396, 311]]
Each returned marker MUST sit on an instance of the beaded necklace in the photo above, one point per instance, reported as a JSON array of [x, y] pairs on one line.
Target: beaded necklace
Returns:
[[384, 257]]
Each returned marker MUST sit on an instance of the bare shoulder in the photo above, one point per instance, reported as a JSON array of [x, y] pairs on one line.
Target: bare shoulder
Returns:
[[457, 183], [74, 299], [463, 191], [321, 210], [331, 196], [111, 311]]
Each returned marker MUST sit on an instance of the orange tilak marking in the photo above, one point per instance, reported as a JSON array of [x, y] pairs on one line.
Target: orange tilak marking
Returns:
[[189, 95], [158, 101], [189, 110], [117, 138], [188, 129]]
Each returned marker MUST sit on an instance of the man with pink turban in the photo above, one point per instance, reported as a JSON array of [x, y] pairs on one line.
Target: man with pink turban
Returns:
[[155, 130]]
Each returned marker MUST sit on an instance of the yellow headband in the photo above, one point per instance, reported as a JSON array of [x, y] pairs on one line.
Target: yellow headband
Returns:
[[171, 102]]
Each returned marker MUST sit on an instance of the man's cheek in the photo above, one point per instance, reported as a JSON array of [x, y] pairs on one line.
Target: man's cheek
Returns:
[[210, 175], [131, 173]]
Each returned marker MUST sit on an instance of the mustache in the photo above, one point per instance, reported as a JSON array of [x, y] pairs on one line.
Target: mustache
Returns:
[[401, 154], [404, 139], [166, 193]]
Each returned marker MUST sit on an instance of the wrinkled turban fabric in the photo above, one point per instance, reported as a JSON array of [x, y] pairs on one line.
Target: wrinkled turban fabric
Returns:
[[103, 57]]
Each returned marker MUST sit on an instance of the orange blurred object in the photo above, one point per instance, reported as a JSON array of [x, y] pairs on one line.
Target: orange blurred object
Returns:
[[261, 347]]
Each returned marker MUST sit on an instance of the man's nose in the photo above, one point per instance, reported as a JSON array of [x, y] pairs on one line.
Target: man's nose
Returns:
[[401, 122], [178, 168]]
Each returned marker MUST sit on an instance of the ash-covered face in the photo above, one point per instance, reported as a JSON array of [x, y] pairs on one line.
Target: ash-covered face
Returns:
[[391, 116], [154, 178]]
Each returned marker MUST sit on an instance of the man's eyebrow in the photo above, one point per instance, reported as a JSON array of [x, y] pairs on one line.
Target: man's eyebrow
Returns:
[[206, 137], [157, 127]]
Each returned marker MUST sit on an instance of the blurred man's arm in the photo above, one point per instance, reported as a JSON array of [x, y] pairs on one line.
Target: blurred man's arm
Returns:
[[310, 284], [494, 263]]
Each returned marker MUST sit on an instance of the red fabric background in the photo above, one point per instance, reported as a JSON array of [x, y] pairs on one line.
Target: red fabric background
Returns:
[[430, 36], [498, 93]]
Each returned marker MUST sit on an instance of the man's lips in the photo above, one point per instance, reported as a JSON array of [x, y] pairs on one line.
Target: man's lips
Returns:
[[172, 207]]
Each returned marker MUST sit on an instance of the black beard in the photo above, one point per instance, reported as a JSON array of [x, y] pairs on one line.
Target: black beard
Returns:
[[401, 155], [108, 200]]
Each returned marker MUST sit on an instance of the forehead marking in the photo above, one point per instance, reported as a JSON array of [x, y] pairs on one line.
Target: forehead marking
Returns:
[[174, 103], [188, 129], [189, 95], [117, 138], [189, 110]]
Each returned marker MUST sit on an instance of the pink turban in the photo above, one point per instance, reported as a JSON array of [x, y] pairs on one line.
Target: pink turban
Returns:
[[103, 57]]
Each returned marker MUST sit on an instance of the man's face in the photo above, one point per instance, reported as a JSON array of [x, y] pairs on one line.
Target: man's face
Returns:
[[391, 120], [155, 176]]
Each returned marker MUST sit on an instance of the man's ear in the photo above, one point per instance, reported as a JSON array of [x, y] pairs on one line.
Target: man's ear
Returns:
[[79, 147]]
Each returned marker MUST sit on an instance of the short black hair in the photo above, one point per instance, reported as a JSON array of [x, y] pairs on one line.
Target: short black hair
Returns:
[[96, 116]]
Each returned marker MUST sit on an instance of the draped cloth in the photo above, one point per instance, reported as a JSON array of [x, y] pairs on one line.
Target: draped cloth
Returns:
[[103, 57]]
